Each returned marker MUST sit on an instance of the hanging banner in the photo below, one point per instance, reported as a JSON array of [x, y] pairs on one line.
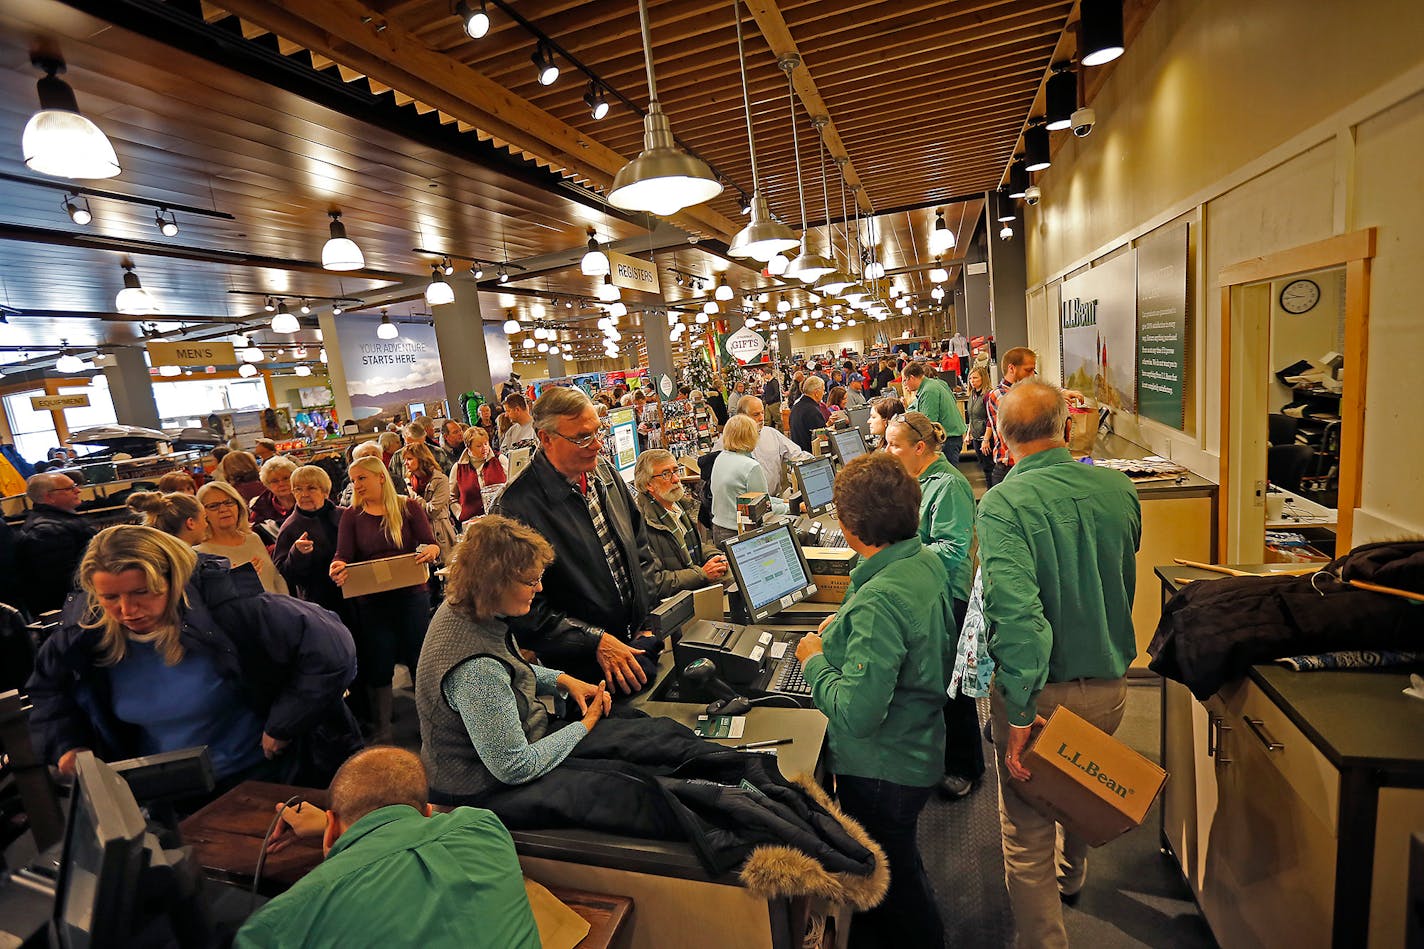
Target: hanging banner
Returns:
[[630, 273], [1098, 322], [745, 345], [191, 354], [1162, 326], [384, 377]]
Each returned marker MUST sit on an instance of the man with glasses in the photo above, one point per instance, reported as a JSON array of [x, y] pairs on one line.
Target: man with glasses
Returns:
[[679, 561], [589, 617], [52, 540]]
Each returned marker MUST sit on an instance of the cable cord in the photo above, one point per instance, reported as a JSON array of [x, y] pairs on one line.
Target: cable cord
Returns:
[[294, 801]]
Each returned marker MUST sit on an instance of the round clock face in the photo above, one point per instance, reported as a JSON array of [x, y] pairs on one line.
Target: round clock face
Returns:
[[1300, 296]]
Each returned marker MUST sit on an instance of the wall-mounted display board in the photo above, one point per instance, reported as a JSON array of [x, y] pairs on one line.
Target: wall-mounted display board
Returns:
[[1162, 326], [1098, 338], [384, 375]]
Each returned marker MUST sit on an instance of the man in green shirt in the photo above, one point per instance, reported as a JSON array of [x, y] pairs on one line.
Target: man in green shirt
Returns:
[[1057, 546], [395, 874], [934, 398]]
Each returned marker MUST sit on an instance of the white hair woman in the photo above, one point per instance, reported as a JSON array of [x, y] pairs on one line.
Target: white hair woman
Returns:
[[273, 506], [390, 625], [230, 534], [736, 472]]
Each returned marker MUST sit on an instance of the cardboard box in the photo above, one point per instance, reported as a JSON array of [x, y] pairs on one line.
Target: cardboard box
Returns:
[[1088, 781], [829, 588], [386, 573]]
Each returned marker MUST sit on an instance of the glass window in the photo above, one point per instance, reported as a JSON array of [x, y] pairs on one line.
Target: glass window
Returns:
[[188, 402], [34, 429]]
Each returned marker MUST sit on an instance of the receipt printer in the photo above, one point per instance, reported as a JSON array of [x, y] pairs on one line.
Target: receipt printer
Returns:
[[739, 652]]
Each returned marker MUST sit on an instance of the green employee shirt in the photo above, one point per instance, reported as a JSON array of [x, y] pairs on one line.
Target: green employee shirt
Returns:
[[947, 522], [1058, 548], [882, 677], [934, 399], [398, 878]]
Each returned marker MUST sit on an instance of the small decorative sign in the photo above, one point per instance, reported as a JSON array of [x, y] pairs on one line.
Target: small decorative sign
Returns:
[[630, 273], [665, 386], [745, 345], [191, 354], [41, 403]]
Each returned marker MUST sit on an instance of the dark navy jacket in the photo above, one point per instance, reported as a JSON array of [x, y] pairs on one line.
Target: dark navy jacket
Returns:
[[293, 660]]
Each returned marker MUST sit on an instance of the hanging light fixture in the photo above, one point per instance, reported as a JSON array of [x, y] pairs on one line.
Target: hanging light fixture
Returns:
[[1018, 178], [1006, 205], [554, 349], [247, 370], [305, 308], [283, 321], [596, 100], [941, 237], [270, 305], [938, 274], [529, 342], [723, 291], [250, 353], [57, 140], [835, 282], [764, 237], [608, 292], [937, 293], [710, 308], [386, 329], [438, 292], [340, 251], [1061, 98], [476, 23], [133, 299], [544, 66], [501, 274], [808, 266], [702, 318], [595, 262], [1100, 38], [166, 222], [303, 370], [618, 309], [777, 265], [663, 179], [322, 355], [79, 215], [67, 361], [1036, 157], [511, 325]]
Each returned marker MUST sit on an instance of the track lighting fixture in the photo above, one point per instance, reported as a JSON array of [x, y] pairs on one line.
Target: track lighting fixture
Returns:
[[663, 179], [438, 292], [270, 305], [386, 329], [1006, 205], [1018, 178], [1100, 38], [58, 140], [596, 99], [133, 299], [1061, 98], [283, 321], [941, 237], [80, 215], [1036, 157], [476, 23], [166, 221], [305, 308], [544, 65], [477, 271], [447, 268], [502, 275], [337, 309], [340, 252], [595, 261]]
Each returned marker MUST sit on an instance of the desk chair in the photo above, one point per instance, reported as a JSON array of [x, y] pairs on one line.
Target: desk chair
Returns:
[[1281, 429], [1287, 464]]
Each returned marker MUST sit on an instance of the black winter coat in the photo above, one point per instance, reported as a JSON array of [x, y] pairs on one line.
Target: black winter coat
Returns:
[[52, 543], [806, 417], [579, 591], [307, 574], [293, 660]]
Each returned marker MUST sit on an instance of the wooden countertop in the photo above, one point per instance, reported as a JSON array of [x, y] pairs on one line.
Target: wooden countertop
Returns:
[[1186, 485], [1358, 718]]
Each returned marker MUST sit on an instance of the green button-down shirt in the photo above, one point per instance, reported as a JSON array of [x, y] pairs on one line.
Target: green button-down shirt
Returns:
[[934, 399], [1058, 547], [399, 878], [882, 677], [947, 522]]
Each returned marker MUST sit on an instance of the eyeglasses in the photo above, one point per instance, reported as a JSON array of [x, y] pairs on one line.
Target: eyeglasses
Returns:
[[533, 584], [902, 420], [583, 441], [669, 475], [219, 505]]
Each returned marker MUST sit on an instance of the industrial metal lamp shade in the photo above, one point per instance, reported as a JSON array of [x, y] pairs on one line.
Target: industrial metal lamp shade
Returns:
[[341, 252], [764, 237], [663, 179], [387, 329], [439, 292], [59, 141], [133, 299], [833, 283], [809, 265]]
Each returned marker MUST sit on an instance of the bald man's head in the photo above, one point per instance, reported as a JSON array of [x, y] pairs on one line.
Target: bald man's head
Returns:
[[1033, 411], [375, 778]]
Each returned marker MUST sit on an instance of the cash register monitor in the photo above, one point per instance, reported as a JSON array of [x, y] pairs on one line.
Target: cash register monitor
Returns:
[[817, 482], [103, 861], [770, 570], [847, 444], [860, 419]]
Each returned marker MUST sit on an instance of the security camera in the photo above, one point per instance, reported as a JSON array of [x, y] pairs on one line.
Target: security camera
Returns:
[[694, 238], [1083, 121], [1032, 195]]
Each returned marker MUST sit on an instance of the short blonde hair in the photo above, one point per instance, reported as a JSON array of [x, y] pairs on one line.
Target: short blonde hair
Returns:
[[740, 433], [244, 521], [166, 564], [272, 466], [312, 475]]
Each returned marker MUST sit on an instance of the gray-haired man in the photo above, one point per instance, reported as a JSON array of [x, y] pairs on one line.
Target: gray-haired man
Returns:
[[679, 561]]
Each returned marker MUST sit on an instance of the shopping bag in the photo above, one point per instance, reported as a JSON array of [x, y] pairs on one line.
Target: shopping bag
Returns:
[[973, 666]]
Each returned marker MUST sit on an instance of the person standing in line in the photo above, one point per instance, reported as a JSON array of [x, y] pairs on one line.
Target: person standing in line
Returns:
[[735, 473], [978, 421], [520, 433], [479, 476], [807, 414], [1019, 363], [52, 540], [931, 397], [230, 534], [1058, 549], [771, 400]]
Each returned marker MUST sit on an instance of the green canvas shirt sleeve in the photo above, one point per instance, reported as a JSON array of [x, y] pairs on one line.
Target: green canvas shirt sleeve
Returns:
[[1020, 639], [856, 696], [938, 402], [947, 527]]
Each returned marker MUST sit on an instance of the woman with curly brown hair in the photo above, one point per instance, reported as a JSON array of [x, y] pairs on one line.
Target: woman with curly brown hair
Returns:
[[482, 725]]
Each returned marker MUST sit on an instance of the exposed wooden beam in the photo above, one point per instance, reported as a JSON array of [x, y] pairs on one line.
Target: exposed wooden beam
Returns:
[[346, 32]]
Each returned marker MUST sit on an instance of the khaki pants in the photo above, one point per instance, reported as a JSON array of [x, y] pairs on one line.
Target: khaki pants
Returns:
[[1040, 859]]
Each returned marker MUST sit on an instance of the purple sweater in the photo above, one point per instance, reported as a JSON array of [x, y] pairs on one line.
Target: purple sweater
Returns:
[[363, 536]]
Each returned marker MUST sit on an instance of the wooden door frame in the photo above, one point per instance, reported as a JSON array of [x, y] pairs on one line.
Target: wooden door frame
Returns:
[[1354, 251]]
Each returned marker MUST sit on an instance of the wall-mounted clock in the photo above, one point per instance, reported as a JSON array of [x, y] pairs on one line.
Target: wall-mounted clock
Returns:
[[1300, 296]]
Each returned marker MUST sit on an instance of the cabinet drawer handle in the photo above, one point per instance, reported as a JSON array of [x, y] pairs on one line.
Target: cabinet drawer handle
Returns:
[[1258, 728], [1221, 729], [1211, 721]]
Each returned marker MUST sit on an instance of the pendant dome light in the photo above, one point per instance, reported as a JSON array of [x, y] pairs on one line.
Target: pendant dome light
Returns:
[[938, 274], [618, 309], [764, 237], [529, 342], [303, 370], [1061, 98], [250, 353], [1100, 38], [247, 370], [283, 321], [777, 265], [724, 291], [608, 292], [340, 251], [133, 299], [663, 179], [67, 361], [439, 292], [511, 325], [595, 262], [941, 237], [809, 265], [58, 140], [386, 329]]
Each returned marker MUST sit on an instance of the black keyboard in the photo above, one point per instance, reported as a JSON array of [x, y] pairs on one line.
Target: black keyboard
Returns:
[[833, 537], [788, 677]]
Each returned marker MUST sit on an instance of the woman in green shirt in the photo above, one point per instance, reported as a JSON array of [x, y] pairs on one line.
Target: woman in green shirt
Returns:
[[878, 670], [947, 529]]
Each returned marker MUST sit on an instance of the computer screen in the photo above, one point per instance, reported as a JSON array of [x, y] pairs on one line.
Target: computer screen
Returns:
[[817, 481], [415, 408], [102, 860], [847, 443], [770, 570], [860, 419]]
